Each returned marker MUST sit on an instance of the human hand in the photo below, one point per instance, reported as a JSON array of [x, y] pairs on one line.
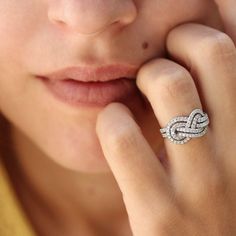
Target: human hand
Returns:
[[197, 196], [227, 9]]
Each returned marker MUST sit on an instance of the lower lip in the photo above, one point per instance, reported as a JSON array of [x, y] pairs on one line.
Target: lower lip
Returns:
[[91, 93]]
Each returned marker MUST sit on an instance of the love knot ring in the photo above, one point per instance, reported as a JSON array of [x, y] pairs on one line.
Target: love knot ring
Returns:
[[182, 128]]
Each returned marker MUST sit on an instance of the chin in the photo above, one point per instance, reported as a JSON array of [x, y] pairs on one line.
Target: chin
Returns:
[[79, 153], [84, 153], [88, 159]]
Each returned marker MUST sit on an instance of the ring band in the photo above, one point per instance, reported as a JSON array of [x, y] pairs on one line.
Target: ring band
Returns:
[[181, 129]]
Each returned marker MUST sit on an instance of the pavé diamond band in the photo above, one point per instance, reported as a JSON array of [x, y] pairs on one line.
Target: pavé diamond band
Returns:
[[182, 128]]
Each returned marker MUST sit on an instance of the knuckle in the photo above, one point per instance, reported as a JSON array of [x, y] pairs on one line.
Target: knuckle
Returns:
[[176, 83], [211, 188], [167, 220], [216, 184], [123, 138], [216, 46]]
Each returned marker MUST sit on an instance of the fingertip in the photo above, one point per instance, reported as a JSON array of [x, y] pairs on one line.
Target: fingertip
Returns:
[[108, 116]]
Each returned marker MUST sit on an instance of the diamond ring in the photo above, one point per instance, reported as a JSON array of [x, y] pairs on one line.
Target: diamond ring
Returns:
[[182, 128]]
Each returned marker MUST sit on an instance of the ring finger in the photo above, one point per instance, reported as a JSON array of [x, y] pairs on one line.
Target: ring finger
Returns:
[[210, 55], [171, 91]]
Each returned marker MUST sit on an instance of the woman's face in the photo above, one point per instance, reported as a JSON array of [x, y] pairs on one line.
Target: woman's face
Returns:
[[40, 36]]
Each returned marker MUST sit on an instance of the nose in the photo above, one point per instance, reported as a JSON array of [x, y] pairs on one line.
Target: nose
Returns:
[[91, 16]]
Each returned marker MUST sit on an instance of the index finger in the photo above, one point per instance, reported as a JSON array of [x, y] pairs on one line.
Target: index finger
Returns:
[[139, 174]]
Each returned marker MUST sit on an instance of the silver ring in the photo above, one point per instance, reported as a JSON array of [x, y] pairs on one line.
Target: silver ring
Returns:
[[182, 128]]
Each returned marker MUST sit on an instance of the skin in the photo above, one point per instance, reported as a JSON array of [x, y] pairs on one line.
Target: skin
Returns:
[[87, 178]]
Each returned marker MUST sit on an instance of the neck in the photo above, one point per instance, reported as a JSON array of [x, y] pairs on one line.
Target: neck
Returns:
[[65, 200]]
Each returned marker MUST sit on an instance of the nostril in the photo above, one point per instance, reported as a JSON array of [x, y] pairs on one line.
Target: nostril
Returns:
[[116, 22], [59, 23], [92, 19]]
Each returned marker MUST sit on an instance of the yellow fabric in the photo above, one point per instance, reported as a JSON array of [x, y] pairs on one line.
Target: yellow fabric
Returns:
[[13, 221]]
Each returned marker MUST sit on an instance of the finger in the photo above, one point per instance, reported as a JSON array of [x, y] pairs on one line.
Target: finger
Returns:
[[227, 11], [138, 172], [172, 92], [210, 55]]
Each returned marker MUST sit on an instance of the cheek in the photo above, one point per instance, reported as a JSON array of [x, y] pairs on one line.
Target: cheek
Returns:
[[158, 17], [167, 14], [19, 23]]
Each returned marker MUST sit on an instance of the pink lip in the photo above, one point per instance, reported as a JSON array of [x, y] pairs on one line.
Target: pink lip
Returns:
[[93, 86], [91, 73]]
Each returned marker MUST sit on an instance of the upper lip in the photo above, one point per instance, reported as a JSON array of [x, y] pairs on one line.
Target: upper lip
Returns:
[[92, 73]]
